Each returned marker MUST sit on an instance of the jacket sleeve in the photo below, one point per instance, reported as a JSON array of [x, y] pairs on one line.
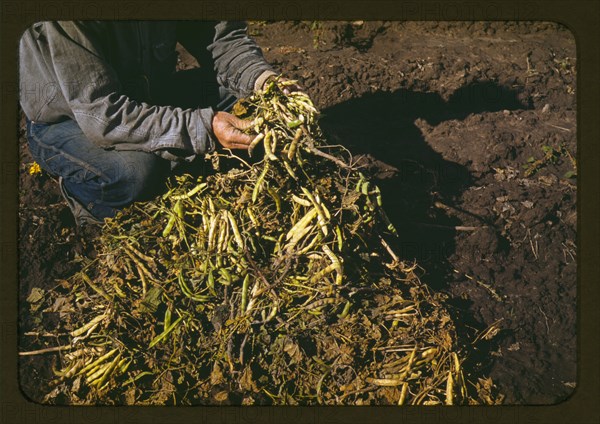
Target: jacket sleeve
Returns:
[[108, 117], [239, 62]]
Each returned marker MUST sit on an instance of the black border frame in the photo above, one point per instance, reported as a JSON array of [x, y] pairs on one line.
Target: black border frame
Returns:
[[581, 17]]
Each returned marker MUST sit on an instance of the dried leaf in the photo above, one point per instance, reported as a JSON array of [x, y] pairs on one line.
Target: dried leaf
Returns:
[[36, 295]]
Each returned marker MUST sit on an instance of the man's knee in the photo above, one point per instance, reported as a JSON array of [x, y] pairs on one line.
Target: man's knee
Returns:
[[118, 179], [135, 176]]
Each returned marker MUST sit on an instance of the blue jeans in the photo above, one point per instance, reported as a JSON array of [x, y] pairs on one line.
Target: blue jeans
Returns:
[[105, 180]]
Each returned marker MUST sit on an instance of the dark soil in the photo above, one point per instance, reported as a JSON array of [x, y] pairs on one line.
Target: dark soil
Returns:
[[449, 118]]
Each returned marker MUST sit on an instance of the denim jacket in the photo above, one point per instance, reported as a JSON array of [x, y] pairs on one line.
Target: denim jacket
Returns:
[[78, 70]]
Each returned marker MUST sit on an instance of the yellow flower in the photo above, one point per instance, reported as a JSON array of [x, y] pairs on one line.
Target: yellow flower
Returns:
[[34, 168]]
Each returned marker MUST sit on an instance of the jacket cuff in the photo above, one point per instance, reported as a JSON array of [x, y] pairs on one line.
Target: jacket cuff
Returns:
[[206, 140], [262, 78]]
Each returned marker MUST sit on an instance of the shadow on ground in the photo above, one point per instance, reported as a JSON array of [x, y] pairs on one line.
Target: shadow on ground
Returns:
[[380, 129]]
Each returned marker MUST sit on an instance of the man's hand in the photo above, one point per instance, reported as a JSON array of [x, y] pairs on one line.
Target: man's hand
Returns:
[[286, 87], [229, 131]]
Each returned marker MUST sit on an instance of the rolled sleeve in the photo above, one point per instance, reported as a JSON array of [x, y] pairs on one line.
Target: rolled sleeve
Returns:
[[205, 137], [239, 61], [260, 81]]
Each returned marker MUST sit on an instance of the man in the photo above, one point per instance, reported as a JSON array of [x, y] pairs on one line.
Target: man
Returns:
[[108, 114]]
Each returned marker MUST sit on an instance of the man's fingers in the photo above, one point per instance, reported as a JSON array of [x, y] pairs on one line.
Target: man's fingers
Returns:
[[291, 88], [236, 145], [286, 88], [240, 146], [243, 139], [229, 131], [239, 139], [241, 124]]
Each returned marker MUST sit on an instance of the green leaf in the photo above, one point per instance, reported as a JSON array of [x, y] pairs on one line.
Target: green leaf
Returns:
[[570, 174]]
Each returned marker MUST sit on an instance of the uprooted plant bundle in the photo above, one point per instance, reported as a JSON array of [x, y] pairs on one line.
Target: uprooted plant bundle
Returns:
[[270, 284]]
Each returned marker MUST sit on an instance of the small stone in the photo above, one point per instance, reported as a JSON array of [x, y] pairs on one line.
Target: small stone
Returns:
[[546, 108], [506, 112], [528, 204], [548, 180]]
